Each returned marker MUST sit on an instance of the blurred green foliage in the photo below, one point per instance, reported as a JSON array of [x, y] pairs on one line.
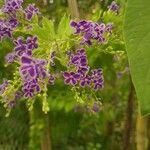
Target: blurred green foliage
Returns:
[[71, 130]]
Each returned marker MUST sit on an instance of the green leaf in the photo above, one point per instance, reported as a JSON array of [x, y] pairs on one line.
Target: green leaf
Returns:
[[64, 29], [137, 38], [48, 26], [45, 32]]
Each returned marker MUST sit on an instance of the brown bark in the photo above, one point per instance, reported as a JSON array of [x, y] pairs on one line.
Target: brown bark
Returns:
[[73, 8], [129, 119], [141, 133]]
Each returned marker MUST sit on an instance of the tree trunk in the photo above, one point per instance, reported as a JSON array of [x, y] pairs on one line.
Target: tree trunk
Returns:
[[39, 129], [129, 119], [141, 135], [73, 8], [45, 2], [46, 142]]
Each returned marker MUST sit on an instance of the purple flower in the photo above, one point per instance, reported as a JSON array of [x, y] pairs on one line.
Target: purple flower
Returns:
[[11, 104], [96, 107], [71, 78], [18, 95], [4, 30], [109, 27], [114, 7], [32, 68], [85, 81], [51, 80], [10, 57], [30, 88], [20, 46], [79, 59], [30, 11], [97, 79], [12, 5], [3, 86], [32, 42], [7, 27], [13, 23]]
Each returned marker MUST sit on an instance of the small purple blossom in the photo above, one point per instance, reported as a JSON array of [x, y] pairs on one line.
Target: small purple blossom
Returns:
[[10, 58], [85, 81], [18, 95], [30, 88], [96, 107], [12, 23], [3, 86], [71, 78], [51, 80], [97, 79], [11, 104], [20, 46], [114, 7], [32, 68], [32, 43], [109, 27], [79, 59], [30, 11]]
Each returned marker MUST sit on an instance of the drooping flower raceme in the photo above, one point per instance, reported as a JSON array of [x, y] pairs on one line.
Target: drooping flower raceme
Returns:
[[81, 74], [92, 31]]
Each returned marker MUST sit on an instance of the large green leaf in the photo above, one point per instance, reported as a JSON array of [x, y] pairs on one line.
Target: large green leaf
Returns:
[[64, 29], [137, 38]]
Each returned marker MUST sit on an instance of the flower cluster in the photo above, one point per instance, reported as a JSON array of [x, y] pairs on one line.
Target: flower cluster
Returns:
[[11, 9], [81, 74], [25, 47], [12, 5], [114, 7], [6, 28], [33, 71], [92, 31]]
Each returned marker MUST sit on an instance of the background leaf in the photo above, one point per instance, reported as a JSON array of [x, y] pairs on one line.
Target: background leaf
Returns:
[[64, 29], [137, 38]]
